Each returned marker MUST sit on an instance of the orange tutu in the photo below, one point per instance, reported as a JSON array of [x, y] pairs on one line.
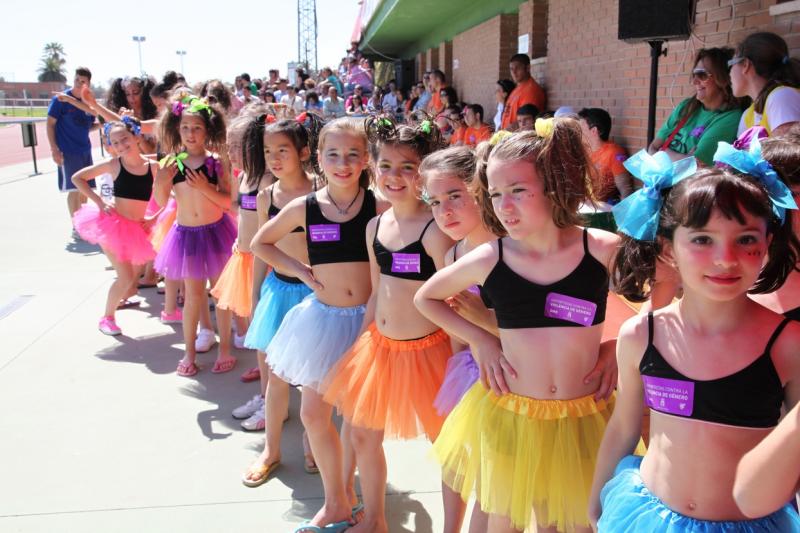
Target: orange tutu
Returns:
[[163, 224], [234, 288], [390, 385]]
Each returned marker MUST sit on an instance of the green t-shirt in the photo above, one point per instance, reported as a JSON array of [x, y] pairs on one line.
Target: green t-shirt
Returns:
[[702, 131]]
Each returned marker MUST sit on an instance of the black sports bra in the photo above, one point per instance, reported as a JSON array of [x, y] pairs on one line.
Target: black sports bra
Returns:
[[476, 289], [410, 262], [793, 314], [748, 398], [338, 242], [272, 211], [579, 299], [181, 175], [133, 186]]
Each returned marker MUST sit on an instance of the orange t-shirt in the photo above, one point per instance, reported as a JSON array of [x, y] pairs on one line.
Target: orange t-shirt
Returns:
[[472, 136], [458, 135], [608, 162], [527, 92], [435, 106]]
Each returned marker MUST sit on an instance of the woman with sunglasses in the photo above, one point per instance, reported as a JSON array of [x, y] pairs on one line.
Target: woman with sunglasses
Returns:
[[709, 116], [763, 70]]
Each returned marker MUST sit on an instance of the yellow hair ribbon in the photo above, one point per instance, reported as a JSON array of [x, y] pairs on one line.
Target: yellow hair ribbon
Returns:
[[499, 136], [544, 127]]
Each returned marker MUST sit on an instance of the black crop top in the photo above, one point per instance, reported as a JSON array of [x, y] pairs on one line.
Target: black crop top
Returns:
[[133, 186], [247, 201], [272, 211], [748, 398], [337, 242], [410, 262], [579, 299], [181, 175], [793, 314], [476, 289]]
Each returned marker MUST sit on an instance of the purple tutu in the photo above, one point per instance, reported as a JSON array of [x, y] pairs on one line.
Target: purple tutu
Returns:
[[462, 372], [196, 252]]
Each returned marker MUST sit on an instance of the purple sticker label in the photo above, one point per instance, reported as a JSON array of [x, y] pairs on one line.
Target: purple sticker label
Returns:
[[698, 131], [620, 157], [249, 202], [474, 289], [672, 396], [404, 263], [324, 232], [568, 308]]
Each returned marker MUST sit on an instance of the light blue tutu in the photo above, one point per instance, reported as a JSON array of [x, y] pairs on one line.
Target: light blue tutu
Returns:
[[311, 339], [629, 507], [277, 298]]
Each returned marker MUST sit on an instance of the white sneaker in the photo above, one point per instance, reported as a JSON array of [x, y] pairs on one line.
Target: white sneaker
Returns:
[[255, 422], [254, 405], [238, 341], [205, 340]]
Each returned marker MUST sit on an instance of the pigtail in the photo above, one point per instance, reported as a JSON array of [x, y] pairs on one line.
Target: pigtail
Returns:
[[479, 188], [424, 137], [380, 129], [566, 169], [254, 162], [115, 97], [149, 109], [313, 125], [634, 268]]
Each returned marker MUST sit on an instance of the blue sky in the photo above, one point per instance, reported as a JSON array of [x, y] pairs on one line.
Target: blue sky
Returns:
[[243, 36]]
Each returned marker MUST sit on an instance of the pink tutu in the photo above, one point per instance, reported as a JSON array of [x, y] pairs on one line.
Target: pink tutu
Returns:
[[125, 239], [461, 373]]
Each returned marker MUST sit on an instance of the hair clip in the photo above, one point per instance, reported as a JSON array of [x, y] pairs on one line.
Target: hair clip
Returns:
[[301, 118], [198, 104], [544, 127], [107, 130], [425, 126], [637, 215], [177, 108], [751, 163]]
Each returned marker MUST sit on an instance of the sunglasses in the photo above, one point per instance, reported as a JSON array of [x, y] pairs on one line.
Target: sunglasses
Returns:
[[735, 60], [700, 74]]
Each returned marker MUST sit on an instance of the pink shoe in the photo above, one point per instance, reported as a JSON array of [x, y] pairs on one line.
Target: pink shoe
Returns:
[[108, 326], [174, 318]]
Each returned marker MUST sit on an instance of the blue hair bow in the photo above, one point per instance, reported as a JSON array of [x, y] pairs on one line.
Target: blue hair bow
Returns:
[[136, 129], [750, 162], [106, 130], [637, 215]]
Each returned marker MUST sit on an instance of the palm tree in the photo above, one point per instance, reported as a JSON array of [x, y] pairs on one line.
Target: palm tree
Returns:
[[52, 68]]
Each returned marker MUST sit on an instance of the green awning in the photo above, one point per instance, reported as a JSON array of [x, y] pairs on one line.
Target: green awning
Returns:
[[403, 28]]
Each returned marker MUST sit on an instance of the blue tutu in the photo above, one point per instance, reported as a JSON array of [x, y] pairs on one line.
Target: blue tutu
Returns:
[[629, 507], [277, 298], [312, 338]]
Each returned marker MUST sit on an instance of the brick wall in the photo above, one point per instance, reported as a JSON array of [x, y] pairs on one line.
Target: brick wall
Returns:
[[592, 68], [432, 58], [32, 89], [446, 59], [482, 54]]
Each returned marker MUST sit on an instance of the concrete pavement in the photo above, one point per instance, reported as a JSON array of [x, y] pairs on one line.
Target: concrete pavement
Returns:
[[99, 434]]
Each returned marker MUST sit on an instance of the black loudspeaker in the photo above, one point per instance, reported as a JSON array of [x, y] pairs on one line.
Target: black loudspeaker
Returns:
[[655, 20], [404, 73]]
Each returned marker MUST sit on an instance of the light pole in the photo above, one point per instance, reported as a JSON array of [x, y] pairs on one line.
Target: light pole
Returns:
[[139, 40], [181, 53]]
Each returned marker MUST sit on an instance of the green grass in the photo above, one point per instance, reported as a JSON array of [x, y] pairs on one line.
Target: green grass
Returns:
[[23, 111]]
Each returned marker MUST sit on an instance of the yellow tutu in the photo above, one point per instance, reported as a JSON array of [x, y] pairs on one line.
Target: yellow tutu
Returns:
[[234, 288], [521, 454]]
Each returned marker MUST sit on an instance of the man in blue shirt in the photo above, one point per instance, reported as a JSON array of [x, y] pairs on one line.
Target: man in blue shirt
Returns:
[[68, 132]]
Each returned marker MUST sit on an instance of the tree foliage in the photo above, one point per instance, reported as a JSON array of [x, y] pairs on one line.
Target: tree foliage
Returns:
[[52, 63]]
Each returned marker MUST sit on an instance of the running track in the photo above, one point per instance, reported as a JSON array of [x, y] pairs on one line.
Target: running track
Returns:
[[12, 152]]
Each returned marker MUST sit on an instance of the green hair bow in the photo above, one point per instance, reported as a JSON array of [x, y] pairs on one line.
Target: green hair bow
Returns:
[[177, 158]]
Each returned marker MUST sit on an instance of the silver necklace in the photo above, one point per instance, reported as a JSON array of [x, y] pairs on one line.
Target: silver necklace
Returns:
[[346, 209]]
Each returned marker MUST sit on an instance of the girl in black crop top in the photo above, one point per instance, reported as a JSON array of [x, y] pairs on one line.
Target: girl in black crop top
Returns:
[[317, 332], [198, 246], [121, 228], [234, 289], [532, 390], [370, 385], [713, 368]]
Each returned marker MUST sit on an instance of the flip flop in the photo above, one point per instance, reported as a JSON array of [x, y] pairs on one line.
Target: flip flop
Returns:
[[129, 302], [253, 374], [187, 370], [226, 365], [335, 527], [264, 471]]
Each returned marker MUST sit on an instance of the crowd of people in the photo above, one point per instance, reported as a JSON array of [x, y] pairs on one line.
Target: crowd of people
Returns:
[[428, 274]]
